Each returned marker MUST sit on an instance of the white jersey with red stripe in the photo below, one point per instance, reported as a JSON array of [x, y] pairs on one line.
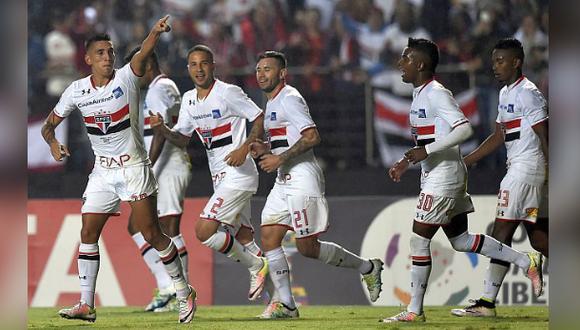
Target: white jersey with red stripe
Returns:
[[220, 122], [434, 113], [111, 115], [163, 97], [521, 106], [287, 116]]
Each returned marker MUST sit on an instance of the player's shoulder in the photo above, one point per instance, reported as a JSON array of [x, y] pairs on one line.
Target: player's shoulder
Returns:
[[189, 95], [80, 87], [290, 94], [437, 92], [224, 89], [530, 94]]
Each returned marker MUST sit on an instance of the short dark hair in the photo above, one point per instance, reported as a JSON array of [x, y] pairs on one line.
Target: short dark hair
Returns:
[[132, 53], [95, 38], [426, 47], [280, 57], [201, 48], [511, 44]]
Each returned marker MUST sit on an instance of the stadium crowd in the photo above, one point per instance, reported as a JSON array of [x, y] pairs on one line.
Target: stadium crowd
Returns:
[[336, 48]]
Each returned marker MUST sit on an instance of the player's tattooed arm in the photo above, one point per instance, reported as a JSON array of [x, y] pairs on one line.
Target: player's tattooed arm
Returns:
[[309, 139], [57, 150], [158, 125], [238, 157]]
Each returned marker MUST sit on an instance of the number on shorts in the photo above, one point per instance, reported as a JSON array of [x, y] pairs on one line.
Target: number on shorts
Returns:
[[425, 202], [217, 204], [298, 217], [503, 197]]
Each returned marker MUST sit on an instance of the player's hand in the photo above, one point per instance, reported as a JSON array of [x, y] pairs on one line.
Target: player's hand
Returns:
[[270, 163], [397, 170], [161, 25], [416, 154], [237, 157], [155, 120], [259, 148], [59, 151]]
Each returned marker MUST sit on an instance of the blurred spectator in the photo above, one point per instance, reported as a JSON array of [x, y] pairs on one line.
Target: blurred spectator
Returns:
[[404, 26], [305, 48], [530, 35], [262, 29], [372, 38], [458, 46], [60, 52], [435, 18]]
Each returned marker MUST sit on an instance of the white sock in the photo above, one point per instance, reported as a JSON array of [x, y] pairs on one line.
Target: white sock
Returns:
[[420, 271], [88, 263], [489, 247], [172, 264], [335, 255], [225, 243], [151, 258], [180, 245], [280, 275], [494, 276]]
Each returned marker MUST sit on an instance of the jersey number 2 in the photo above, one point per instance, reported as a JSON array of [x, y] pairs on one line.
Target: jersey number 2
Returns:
[[217, 204]]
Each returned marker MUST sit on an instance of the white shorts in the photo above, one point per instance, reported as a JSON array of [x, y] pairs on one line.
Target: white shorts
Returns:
[[108, 187], [439, 210], [172, 187], [230, 207], [518, 201], [305, 215]]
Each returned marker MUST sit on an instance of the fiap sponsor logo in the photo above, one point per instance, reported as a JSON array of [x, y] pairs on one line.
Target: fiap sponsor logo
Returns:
[[455, 276]]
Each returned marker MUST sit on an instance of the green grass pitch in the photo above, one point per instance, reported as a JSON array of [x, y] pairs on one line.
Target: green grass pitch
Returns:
[[311, 317]]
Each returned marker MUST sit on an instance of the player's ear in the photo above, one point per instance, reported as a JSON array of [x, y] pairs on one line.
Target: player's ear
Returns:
[[517, 63], [88, 59], [283, 73]]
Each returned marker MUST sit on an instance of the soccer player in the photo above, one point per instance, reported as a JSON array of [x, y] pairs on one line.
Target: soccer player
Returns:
[[217, 112], [108, 99], [172, 170], [522, 125], [439, 126], [296, 201]]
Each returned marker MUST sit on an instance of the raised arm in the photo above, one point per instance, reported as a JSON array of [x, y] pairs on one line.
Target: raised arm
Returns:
[[309, 139], [58, 150], [494, 141], [140, 58]]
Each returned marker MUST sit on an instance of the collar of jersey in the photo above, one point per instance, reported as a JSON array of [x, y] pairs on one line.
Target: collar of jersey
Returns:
[[520, 79], [420, 88], [105, 85], [161, 75]]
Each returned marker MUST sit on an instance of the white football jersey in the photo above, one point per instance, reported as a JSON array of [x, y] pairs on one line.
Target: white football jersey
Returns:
[[521, 106], [434, 113], [287, 115], [111, 115], [220, 122], [163, 97]]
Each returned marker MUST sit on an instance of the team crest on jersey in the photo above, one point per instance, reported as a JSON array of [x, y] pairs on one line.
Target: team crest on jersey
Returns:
[[206, 136], [215, 113], [273, 116], [103, 121], [118, 92], [422, 113]]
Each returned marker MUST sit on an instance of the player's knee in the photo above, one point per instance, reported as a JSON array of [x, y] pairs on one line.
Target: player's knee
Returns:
[[462, 242], [309, 248], [203, 231], [89, 236], [244, 235], [420, 245]]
